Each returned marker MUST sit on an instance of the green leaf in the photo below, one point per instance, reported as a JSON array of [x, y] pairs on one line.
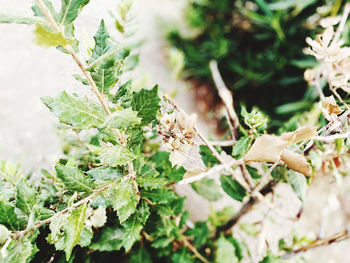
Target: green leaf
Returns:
[[46, 38], [241, 147], [4, 234], [149, 179], [105, 64], [25, 197], [207, 188], [298, 183], [116, 155], [18, 251], [86, 237], [232, 187], [271, 259], [70, 10], [200, 233], [132, 228], [8, 216], [81, 113], [123, 119], [122, 92], [10, 17], [140, 256], [109, 240], [146, 103], [159, 195], [182, 256], [225, 252], [143, 212], [106, 174], [127, 210], [73, 227], [74, 179]]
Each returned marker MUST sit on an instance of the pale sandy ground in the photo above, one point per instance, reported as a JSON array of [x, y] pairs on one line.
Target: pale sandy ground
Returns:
[[27, 131]]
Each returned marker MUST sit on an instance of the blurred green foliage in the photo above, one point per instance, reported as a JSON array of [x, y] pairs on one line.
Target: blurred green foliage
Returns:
[[259, 48]]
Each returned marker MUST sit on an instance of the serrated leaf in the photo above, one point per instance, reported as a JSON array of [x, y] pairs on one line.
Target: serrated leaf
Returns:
[[146, 103], [200, 233], [140, 256], [149, 179], [46, 38], [182, 256], [232, 187], [241, 147], [109, 240], [74, 179], [127, 210], [132, 228], [143, 212], [73, 226], [225, 252], [122, 92], [70, 10], [123, 119], [18, 251], [80, 112], [122, 193], [298, 183], [86, 237], [159, 195], [117, 155], [106, 174], [25, 196], [105, 63], [207, 188], [8, 216]]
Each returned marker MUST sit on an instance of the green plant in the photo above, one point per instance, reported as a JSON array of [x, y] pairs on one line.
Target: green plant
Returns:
[[112, 196], [258, 46]]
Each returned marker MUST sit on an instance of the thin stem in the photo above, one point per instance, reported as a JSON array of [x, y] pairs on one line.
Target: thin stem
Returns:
[[318, 84], [194, 250], [340, 236], [19, 234], [341, 24], [222, 143], [224, 93], [70, 50], [210, 146]]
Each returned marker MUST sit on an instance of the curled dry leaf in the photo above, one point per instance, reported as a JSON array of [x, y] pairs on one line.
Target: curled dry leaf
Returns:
[[270, 148], [296, 161], [266, 148], [330, 106]]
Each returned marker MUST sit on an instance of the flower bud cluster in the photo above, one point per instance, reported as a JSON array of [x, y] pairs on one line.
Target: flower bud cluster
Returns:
[[177, 131]]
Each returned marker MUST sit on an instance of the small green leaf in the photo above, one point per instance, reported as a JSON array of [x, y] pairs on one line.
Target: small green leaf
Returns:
[[109, 240], [46, 38], [9, 17], [25, 197], [225, 252], [117, 155], [207, 188], [18, 251], [200, 233], [146, 103], [140, 256], [182, 256], [232, 187], [8, 216], [70, 10], [241, 147], [149, 179], [81, 113], [143, 212], [298, 183], [73, 227], [74, 179], [106, 174], [123, 119], [132, 228]]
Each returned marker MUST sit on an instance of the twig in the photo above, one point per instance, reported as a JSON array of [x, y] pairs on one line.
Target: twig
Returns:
[[318, 84], [18, 234], [210, 146], [221, 143], [318, 243], [194, 250], [341, 24], [331, 138], [70, 50], [227, 117], [246, 207], [224, 93]]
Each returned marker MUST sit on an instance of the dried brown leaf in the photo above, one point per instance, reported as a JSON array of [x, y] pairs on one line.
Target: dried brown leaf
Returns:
[[331, 106], [296, 161]]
